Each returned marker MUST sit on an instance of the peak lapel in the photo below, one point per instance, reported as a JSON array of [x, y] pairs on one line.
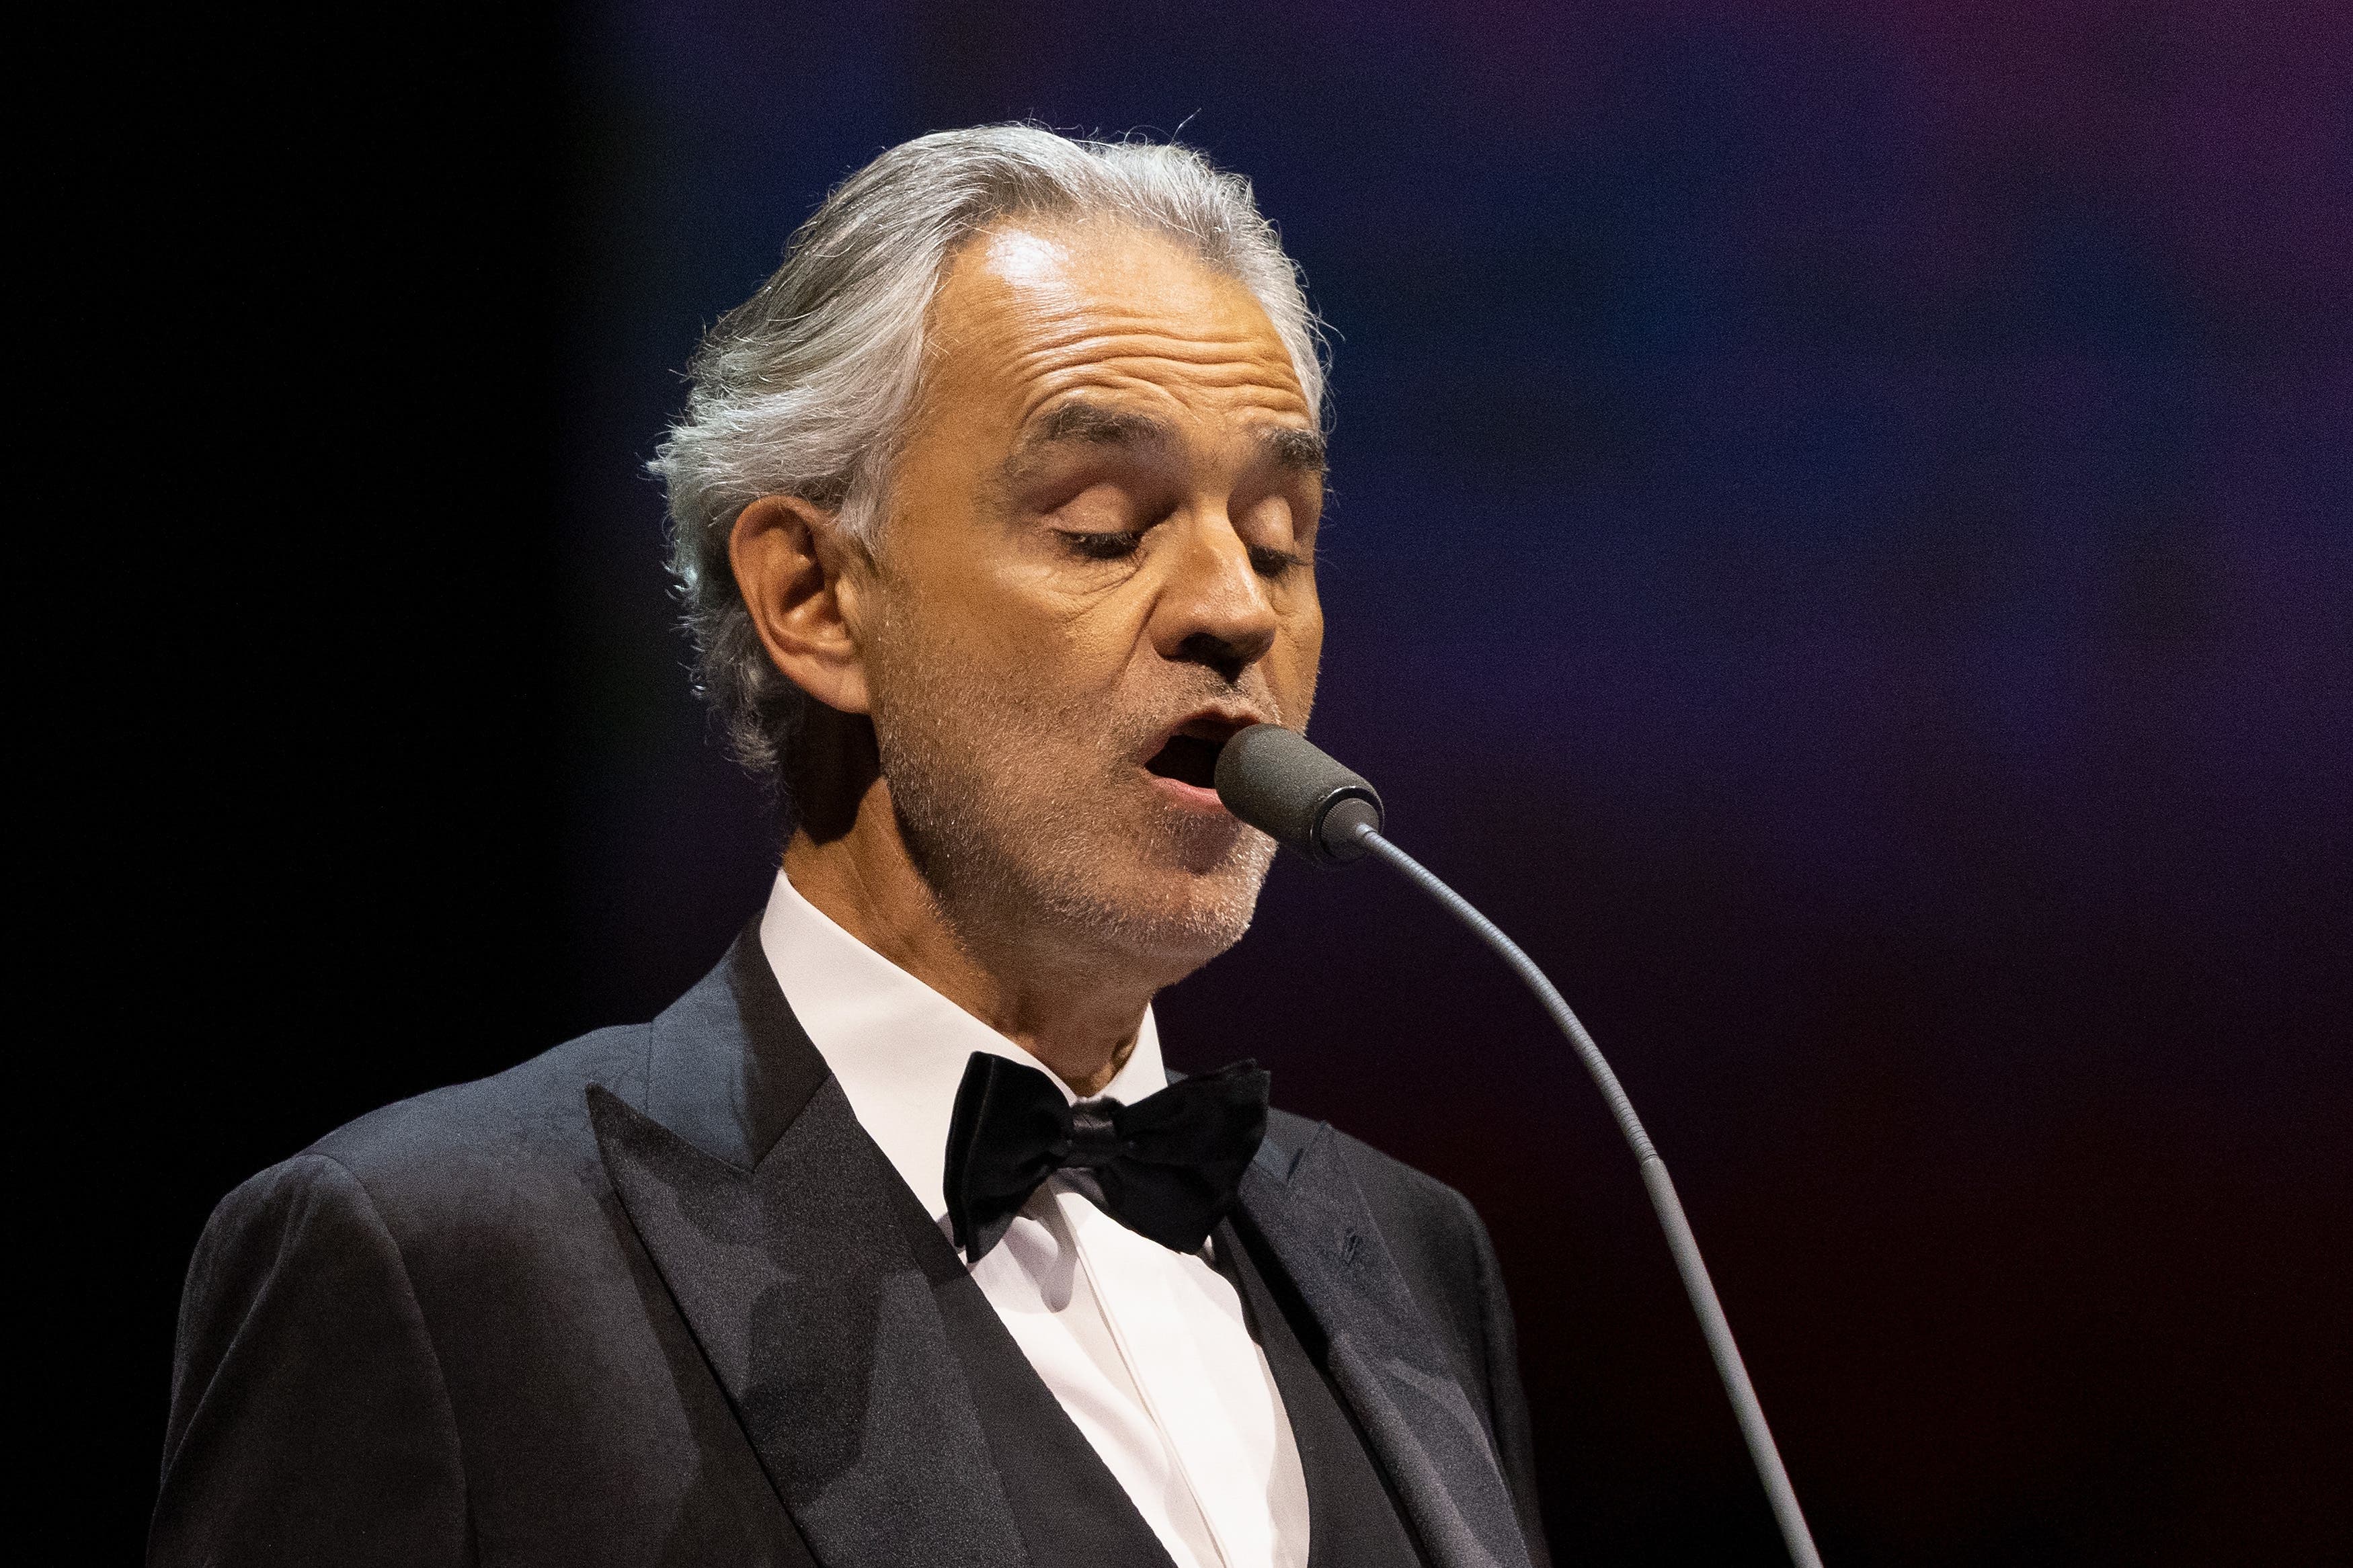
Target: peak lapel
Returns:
[[1424, 1429], [814, 1304]]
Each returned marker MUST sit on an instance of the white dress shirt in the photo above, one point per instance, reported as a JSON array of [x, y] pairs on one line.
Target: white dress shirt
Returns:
[[1146, 1349]]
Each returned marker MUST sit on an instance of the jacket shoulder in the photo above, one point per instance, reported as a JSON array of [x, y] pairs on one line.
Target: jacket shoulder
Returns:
[[1407, 1202], [494, 1142], [309, 1410], [1432, 1233]]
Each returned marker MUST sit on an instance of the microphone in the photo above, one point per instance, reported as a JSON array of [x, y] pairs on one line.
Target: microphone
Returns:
[[1276, 780], [1273, 779]]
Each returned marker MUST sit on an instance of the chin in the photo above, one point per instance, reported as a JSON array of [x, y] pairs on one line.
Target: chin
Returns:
[[1177, 921], [1153, 891]]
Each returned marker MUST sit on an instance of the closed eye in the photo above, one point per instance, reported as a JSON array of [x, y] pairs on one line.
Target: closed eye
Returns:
[[1105, 546], [1265, 560]]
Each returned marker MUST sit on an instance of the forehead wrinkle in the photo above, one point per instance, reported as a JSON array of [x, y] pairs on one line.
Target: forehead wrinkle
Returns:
[[1150, 299], [1173, 406], [1184, 358], [1239, 354], [1233, 383], [1094, 331]]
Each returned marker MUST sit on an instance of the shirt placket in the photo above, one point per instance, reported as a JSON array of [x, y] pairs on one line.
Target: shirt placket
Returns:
[[1135, 1292]]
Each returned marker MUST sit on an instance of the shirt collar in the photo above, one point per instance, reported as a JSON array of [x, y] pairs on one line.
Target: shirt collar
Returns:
[[897, 1046]]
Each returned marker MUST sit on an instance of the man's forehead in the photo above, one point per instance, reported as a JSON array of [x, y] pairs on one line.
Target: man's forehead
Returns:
[[1045, 262], [1042, 311], [1020, 256]]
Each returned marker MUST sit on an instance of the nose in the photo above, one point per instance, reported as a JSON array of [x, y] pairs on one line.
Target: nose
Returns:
[[1213, 609]]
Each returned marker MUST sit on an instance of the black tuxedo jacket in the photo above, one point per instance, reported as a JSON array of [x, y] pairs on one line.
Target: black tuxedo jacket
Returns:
[[655, 1298]]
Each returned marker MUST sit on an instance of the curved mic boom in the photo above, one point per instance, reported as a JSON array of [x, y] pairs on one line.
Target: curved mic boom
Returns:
[[1273, 779]]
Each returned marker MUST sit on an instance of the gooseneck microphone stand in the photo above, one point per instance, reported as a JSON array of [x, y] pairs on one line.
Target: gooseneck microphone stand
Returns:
[[1273, 779], [1662, 1188]]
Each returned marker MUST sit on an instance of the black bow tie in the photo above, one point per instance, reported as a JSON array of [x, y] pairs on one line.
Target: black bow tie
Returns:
[[1167, 1166]]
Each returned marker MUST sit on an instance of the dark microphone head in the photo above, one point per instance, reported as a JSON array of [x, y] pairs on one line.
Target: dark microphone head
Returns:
[[1287, 789]]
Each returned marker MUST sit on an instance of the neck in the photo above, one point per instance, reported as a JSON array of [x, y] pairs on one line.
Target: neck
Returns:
[[1077, 1017]]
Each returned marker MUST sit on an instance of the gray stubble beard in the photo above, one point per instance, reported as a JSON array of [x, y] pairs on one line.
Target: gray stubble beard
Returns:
[[987, 826]]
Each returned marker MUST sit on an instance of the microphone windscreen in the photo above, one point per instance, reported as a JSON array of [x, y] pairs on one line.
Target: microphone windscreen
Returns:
[[1273, 779]]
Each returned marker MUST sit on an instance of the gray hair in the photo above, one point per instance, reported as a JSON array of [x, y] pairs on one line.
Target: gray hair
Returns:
[[805, 388]]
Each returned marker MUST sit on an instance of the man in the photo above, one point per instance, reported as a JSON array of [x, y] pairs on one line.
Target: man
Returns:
[[893, 1242]]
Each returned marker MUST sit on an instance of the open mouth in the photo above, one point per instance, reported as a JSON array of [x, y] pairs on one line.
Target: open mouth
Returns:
[[1188, 759]]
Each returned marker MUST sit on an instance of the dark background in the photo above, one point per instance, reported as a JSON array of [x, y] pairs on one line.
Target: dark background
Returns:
[[1842, 544]]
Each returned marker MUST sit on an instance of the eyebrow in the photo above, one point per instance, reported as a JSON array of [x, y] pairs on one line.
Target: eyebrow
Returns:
[[1299, 450], [1092, 424], [1081, 422]]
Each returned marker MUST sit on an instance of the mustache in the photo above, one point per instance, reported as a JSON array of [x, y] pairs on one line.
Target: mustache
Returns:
[[1211, 714], [1126, 733]]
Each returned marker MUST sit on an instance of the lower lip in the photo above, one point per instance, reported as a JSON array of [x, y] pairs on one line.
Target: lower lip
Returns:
[[1191, 796]]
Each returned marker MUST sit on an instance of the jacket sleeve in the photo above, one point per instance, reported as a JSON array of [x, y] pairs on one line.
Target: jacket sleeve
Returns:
[[1507, 1401], [309, 1419]]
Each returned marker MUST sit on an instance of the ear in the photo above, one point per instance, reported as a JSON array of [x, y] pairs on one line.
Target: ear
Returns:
[[799, 575]]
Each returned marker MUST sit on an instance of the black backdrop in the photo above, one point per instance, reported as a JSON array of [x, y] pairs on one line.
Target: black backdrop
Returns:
[[1841, 544]]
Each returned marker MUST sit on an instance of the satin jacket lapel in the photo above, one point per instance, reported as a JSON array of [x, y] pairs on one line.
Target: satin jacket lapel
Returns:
[[1424, 1430], [808, 1286]]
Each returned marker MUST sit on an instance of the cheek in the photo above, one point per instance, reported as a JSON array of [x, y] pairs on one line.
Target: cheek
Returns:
[[1092, 656], [973, 619], [1299, 655], [1031, 652], [1006, 635]]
